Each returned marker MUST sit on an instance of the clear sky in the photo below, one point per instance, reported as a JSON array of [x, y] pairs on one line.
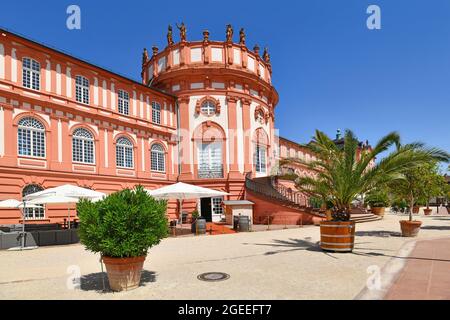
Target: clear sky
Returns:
[[330, 70]]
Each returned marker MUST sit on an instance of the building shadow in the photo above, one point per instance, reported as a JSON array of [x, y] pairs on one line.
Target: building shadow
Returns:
[[292, 245], [378, 233], [444, 228], [99, 281]]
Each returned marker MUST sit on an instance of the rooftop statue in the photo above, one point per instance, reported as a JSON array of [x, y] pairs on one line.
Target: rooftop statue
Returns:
[[182, 29], [266, 55], [242, 36], [229, 33], [144, 56], [170, 36]]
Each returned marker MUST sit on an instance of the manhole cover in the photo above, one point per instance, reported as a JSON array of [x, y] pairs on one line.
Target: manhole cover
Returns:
[[213, 276]]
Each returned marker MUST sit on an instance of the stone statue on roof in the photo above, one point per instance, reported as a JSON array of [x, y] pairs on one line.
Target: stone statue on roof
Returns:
[[229, 33], [182, 29], [242, 36], [145, 56], [170, 36]]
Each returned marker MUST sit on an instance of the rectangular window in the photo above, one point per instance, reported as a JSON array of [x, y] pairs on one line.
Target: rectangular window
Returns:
[[31, 74], [82, 89], [124, 102], [210, 160], [260, 160], [156, 113], [217, 207]]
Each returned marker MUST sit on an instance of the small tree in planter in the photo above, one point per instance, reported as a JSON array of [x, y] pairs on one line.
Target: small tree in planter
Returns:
[[342, 172], [417, 185], [122, 227], [378, 200], [434, 184]]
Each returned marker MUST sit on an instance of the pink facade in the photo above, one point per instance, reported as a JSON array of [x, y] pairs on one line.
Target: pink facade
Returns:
[[206, 119]]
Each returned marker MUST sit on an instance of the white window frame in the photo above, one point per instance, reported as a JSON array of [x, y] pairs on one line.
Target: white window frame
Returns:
[[82, 89], [35, 213], [260, 158], [157, 158], [156, 112], [123, 102], [206, 158], [35, 130], [123, 145], [208, 108], [31, 75], [84, 141]]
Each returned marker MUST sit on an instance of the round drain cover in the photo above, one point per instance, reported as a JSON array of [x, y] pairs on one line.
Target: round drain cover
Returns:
[[213, 276]]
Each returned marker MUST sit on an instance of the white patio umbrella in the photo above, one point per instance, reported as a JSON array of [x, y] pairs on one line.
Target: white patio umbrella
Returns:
[[182, 191], [16, 204], [56, 199], [68, 190]]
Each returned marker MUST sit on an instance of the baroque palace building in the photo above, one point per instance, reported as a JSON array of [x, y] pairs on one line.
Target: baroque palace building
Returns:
[[203, 114]]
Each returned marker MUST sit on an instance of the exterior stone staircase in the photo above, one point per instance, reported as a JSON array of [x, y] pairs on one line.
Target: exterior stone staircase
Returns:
[[291, 198]]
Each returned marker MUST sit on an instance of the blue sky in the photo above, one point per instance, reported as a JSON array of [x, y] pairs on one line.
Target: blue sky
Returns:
[[329, 69]]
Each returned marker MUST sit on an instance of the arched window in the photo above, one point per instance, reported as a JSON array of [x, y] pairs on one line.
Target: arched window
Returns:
[[124, 153], [37, 212], [83, 146], [208, 108], [156, 113], [124, 102], [158, 158], [82, 89], [31, 138], [31, 74]]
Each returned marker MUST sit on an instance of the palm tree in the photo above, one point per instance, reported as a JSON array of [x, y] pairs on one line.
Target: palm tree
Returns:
[[342, 172]]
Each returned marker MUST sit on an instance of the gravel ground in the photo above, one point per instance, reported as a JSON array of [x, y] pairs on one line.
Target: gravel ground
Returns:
[[279, 264]]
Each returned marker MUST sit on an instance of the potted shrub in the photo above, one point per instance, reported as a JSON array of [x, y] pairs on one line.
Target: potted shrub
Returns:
[[195, 215], [122, 227], [412, 187], [378, 200], [344, 171]]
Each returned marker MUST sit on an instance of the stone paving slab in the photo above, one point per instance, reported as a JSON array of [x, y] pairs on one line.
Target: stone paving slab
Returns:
[[279, 264], [426, 275]]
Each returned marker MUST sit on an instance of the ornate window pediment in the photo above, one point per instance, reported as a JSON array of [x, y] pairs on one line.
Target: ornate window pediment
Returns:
[[208, 106]]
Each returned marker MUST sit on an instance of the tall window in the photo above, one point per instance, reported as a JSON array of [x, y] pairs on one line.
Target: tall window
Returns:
[[83, 146], [124, 153], [31, 74], [158, 158], [156, 113], [31, 138], [37, 212], [260, 159], [124, 102], [217, 207], [208, 108], [82, 89], [210, 160]]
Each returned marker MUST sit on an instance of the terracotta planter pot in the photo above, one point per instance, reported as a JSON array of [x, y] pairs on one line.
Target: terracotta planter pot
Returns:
[[416, 209], [338, 236], [124, 274], [379, 211], [427, 212], [410, 228]]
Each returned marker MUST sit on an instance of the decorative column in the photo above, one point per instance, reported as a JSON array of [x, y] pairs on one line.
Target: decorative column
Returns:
[[233, 138], [185, 139], [246, 122], [9, 150]]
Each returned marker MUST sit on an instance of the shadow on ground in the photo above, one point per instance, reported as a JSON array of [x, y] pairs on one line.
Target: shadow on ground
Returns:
[[99, 281], [378, 233], [435, 227]]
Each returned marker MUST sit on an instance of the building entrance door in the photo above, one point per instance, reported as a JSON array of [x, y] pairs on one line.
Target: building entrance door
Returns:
[[206, 210]]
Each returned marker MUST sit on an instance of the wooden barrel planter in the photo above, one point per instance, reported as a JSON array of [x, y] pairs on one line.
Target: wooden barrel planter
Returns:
[[338, 236], [379, 211]]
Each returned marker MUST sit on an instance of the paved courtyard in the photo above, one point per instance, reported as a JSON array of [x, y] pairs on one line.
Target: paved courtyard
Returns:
[[279, 264]]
